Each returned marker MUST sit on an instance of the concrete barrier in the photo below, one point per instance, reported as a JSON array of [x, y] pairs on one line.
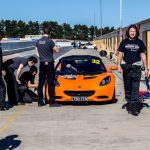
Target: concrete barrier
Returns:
[[12, 47], [9, 52], [6, 46], [16, 47]]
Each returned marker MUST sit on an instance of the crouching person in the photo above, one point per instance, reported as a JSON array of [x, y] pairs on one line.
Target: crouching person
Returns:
[[12, 80], [26, 95]]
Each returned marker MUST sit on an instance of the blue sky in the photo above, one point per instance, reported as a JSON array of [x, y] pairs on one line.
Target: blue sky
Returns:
[[75, 11]]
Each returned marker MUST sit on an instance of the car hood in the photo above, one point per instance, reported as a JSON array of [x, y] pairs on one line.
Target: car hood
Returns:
[[82, 81]]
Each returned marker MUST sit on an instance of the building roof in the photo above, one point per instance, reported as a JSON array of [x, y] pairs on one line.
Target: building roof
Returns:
[[117, 31]]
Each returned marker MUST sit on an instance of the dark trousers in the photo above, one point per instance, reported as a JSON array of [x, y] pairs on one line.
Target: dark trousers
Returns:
[[26, 95], [33, 97], [12, 89], [2, 92], [46, 72], [131, 77]]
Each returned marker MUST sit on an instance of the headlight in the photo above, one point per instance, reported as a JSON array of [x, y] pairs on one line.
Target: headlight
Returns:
[[56, 83], [105, 81]]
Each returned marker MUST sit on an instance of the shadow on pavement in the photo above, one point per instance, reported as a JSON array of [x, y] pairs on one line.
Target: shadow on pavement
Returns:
[[87, 103], [9, 143]]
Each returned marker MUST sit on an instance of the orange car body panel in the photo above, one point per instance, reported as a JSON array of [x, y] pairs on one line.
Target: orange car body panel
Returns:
[[85, 83]]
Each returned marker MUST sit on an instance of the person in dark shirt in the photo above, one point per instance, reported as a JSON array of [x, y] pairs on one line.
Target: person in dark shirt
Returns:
[[10, 66], [27, 77], [44, 50], [27, 82], [132, 50], [2, 85]]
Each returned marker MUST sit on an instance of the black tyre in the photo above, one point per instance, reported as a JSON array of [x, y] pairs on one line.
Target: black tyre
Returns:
[[114, 99]]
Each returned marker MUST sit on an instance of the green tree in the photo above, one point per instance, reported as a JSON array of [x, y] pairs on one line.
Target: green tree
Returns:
[[11, 29], [2, 25], [112, 29], [81, 32], [45, 24], [97, 32], [56, 31], [53, 29], [108, 30], [33, 28], [105, 30], [59, 32], [21, 29], [92, 32], [67, 31], [36, 28]]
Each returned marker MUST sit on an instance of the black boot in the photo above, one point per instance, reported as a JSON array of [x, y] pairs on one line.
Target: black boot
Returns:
[[41, 103], [3, 108], [133, 107]]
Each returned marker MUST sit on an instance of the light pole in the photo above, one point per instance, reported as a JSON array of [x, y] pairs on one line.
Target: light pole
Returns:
[[100, 2], [94, 25], [120, 32]]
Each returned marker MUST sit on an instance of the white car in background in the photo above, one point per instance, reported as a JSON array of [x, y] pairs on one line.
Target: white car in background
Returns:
[[88, 46]]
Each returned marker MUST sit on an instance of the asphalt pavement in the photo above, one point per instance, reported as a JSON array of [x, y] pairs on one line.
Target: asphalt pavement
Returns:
[[73, 127]]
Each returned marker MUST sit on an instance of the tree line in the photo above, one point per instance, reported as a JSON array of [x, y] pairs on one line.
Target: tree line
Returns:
[[18, 29]]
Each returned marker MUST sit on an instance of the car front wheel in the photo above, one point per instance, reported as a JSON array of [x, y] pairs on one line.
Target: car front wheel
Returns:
[[114, 99]]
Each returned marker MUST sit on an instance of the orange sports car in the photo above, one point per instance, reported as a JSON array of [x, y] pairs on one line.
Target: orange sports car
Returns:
[[83, 78]]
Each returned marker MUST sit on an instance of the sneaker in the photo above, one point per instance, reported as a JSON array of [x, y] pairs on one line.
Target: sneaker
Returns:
[[41, 104], [131, 108], [21, 103], [46, 102], [135, 113]]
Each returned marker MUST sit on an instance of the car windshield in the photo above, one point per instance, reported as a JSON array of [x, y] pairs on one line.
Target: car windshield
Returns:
[[81, 66]]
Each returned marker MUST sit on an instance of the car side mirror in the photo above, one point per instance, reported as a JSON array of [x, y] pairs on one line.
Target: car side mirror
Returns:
[[114, 67], [103, 53]]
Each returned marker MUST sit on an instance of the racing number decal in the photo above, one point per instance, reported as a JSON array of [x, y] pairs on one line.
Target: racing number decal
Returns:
[[96, 61]]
